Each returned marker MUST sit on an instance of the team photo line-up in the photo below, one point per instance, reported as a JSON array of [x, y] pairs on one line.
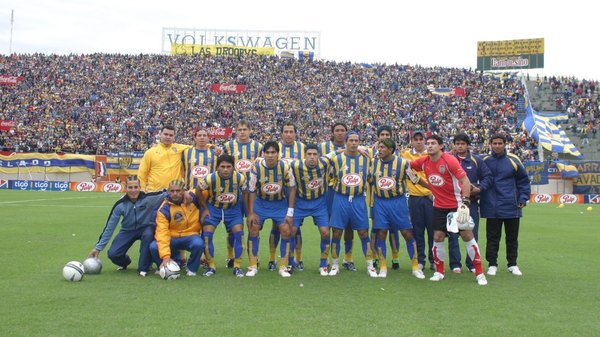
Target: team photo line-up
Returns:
[[425, 193]]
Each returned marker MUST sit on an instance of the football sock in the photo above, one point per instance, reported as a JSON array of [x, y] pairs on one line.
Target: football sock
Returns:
[[273, 242], [411, 248], [324, 252], [395, 243], [284, 250], [439, 255], [253, 251], [209, 249], [238, 248], [473, 251], [298, 247], [335, 248]]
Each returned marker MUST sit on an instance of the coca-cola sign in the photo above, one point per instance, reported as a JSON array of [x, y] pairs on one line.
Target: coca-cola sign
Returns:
[[86, 187], [228, 88], [10, 80], [6, 125], [543, 198], [220, 133]]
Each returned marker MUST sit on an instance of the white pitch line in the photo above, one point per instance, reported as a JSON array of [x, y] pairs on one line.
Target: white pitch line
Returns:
[[30, 200]]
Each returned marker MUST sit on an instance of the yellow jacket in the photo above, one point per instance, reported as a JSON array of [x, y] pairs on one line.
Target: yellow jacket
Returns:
[[160, 165], [416, 190], [176, 221]]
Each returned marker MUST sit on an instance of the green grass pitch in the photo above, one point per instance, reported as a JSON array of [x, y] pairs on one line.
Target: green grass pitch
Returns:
[[41, 231]]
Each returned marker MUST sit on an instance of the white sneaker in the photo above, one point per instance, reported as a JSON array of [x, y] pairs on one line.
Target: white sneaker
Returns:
[[283, 272], [372, 271], [190, 273], [472, 270], [420, 266], [323, 271], [143, 274], [436, 277], [492, 270], [515, 271], [252, 271], [418, 274], [383, 273], [456, 270], [335, 269], [481, 280]]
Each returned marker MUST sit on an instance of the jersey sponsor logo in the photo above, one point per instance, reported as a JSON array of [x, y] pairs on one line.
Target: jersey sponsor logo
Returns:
[[112, 188], [543, 198], [436, 180], [200, 171], [351, 180], [226, 198], [243, 165], [271, 189], [178, 216], [385, 183], [85, 186], [568, 199], [315, 184]]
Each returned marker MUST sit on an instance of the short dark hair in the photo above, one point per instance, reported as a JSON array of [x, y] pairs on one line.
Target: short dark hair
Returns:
[[271, 144], [168, 127], [200, 129], [226, 158], [437, 138], [462, 137], [498, 136], [338, 123], [311, 147], [389, 143], [289, 123], [384, 128]]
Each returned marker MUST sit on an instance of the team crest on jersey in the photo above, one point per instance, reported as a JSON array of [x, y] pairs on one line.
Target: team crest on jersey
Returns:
[[351, 180], [178, 216], [243, 165], [203, 185], [442, 169], [174, 149], [436, 180], [385, 183], [315, 184], [200, 171], [226, 198], [271, 189]]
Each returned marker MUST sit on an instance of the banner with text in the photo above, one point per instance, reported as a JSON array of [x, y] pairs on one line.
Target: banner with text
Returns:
[[220, 50], [537, 172], [6, 125], [123, 163], [588, 181], [220, 132], [228, 88], [10, 80], [47, 162]]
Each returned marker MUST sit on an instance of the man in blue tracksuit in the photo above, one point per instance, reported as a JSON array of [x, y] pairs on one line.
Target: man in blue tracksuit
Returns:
[[502, 203], [481, 178], [137, 211]]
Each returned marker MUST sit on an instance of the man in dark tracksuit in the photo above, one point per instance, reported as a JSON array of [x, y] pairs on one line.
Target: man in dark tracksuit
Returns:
[[502, 203]]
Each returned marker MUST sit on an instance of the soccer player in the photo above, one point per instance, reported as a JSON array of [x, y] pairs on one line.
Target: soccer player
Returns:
[[481, 178], [245, 151], [350, 170], [311, 186], [224, 205], [503, 204], [136, 211], [162, 162], [269, 180], [420, 203], [337, 144], [178, 228], [390, 207], [451, 188], [198, 161]]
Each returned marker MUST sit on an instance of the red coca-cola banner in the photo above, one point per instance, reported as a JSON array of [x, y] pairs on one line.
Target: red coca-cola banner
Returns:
[[10, 80], [220, 133], [228, 88], [6, 125]]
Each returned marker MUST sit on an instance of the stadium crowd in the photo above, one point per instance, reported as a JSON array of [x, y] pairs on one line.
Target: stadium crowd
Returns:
[[108, 102]]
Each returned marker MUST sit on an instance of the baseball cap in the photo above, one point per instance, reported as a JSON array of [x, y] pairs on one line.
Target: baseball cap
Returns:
[[418, 132]]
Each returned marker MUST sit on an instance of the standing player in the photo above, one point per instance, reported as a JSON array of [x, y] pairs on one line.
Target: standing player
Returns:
[[481, 178], [311, 188], [224, 205], [420, 203], [350, 170], [267, 200], [503, 204], [337, 144], [245, 151], [448, 182], [390, 208], [198, 161]]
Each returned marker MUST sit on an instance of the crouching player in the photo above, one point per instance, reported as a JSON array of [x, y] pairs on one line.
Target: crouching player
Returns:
[[390, 207], [224, 205], [178, 228]]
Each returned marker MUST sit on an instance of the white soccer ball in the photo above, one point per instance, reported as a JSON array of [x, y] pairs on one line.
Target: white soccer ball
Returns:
[[73, 271], [170, 271], [92, 265]]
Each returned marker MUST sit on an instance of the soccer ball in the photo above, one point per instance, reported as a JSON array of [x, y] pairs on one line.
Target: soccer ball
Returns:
[[92, 265], [73, 271], [170, 271]]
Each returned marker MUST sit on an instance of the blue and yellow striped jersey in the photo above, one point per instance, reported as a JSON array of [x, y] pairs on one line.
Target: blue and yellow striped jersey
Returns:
[[350, 174], [311, 183], [291, 152], [197, 165], [270, 183], [224, 193], [328, 146], [388, 177], [244, 154]]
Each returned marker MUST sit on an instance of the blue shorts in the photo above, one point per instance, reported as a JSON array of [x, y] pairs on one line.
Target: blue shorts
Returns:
[[267, 209], [391, 214], [230, 216], [349, 210], [316, 208]]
